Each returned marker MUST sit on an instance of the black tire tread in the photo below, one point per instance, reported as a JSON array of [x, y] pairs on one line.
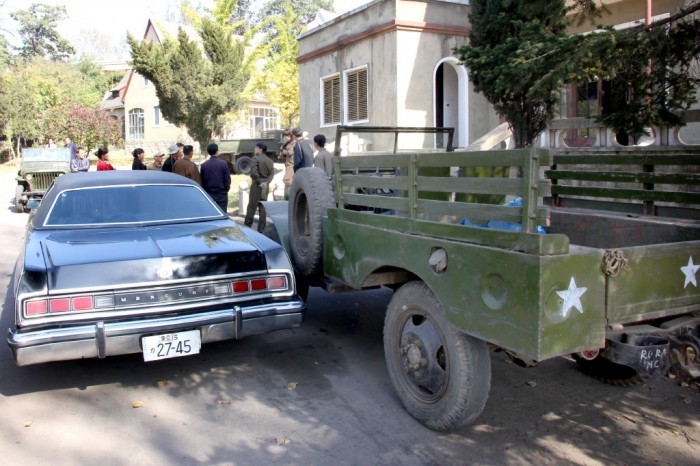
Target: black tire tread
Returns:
[[312, 186], [469, 363]]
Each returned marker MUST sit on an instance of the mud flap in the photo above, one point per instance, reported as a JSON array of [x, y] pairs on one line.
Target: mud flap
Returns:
[[647, 354]]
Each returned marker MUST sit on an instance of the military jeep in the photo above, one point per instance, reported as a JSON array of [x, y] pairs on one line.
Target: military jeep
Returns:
[[38, 168]]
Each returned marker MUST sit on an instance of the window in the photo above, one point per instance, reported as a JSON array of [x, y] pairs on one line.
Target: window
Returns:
[[331, 100], [156, 115], [262, 119], [136, 123], [356, 97], [145, 82]]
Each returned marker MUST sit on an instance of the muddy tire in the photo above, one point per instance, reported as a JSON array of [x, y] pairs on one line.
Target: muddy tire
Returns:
[[441, 375], [310, 197], [18, 198], [243, 165]]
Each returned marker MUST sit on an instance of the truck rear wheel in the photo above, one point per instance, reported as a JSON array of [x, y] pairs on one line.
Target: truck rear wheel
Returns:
[[441, 375], [243, 164], [310, 196], [18, 198]]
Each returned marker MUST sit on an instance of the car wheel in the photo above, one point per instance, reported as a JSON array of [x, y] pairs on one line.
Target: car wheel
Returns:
[[18, 198], [441, 375], [243, 164], [310, 197]]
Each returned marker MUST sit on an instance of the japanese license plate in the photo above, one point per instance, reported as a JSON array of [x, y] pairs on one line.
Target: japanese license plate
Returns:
[[171, 345]]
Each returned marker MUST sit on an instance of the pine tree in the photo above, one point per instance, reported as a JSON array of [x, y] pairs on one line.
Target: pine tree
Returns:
[[196, 86]]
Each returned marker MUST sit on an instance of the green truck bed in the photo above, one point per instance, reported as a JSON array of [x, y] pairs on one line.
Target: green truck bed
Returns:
[[611, 282]]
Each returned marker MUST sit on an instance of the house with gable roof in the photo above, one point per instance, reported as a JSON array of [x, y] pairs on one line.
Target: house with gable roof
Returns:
[[135, 103]]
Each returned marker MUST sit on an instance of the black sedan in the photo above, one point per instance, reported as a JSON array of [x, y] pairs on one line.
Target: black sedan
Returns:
[[142, 262]]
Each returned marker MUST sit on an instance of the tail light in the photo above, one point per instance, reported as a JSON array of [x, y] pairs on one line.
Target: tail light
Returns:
[[37, 307], [274, 283], [130, 299]]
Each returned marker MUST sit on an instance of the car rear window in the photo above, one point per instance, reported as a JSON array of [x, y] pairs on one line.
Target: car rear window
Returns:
[[120, 205]]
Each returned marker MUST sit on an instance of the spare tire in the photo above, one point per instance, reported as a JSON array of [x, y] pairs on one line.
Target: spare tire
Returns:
[[310, 197]]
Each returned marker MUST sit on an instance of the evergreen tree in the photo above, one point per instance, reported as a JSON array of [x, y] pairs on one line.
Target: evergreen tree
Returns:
[[196, 86], [520, 56], [40, 38]]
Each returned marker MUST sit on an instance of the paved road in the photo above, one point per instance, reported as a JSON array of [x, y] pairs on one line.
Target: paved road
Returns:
[[229, 405]]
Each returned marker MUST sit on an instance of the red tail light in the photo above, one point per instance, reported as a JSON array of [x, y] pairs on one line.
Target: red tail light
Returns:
[[82, 303], [37, 307], [241, 287], [277, 283], [59, 305], [260, 284]]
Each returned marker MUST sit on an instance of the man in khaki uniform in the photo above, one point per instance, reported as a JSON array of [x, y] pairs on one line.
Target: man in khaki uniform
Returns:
[[261, 172], [186, 167]]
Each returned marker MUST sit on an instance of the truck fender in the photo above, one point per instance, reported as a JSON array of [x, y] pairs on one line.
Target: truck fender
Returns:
[[277, 226]]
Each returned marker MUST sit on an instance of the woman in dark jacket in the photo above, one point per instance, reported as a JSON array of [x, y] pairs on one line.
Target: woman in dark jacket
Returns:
[[138, 159]]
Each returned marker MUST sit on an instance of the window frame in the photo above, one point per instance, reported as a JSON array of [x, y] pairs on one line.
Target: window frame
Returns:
[[322, 100], [347, 96], [270, 117], [156, 115], [132, 115]]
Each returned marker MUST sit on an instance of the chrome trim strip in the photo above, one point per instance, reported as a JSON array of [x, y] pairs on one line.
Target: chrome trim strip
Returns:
[[101, 340]]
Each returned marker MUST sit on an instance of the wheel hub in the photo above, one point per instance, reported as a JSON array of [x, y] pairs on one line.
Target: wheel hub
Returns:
[[413, 356]]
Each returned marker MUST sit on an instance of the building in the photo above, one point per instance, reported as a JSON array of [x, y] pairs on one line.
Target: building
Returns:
[[391, 63], [135, 103]]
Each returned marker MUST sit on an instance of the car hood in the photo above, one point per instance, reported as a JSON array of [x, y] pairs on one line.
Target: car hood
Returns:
[[129, 256]]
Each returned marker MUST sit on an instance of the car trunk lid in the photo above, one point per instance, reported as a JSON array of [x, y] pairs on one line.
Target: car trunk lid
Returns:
[[108, 258]]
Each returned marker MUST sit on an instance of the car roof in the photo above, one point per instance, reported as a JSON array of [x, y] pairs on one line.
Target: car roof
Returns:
[[118, 178], [110, 178]]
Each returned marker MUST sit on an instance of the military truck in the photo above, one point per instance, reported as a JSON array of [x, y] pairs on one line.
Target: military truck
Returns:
[[238, 153], [38, 168], [612, 282]]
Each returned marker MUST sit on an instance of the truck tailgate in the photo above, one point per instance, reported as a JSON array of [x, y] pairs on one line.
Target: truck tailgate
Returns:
[[659, 280]]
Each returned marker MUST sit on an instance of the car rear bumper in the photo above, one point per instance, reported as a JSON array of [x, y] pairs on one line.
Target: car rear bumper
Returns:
[[102, 339]]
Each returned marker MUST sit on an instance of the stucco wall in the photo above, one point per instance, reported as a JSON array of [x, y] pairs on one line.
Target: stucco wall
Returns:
[[401, 42]]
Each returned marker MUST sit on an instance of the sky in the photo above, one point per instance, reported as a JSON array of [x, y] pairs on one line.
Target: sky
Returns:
[[103, 24]]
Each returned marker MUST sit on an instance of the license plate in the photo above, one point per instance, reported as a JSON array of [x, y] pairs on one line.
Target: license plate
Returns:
[[171, 345]]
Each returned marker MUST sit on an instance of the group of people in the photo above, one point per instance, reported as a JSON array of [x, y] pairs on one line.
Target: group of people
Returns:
[[298, 154], [214, 175]]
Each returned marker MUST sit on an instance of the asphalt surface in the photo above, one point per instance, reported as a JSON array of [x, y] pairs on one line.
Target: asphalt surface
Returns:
[[316, 395]]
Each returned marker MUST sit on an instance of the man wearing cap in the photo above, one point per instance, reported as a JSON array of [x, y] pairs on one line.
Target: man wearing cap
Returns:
[[216, 177], [175, 153], [157, 163], [303, 152], [186, 167]]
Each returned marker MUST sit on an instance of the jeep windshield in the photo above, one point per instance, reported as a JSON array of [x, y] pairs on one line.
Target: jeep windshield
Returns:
[[46, 155]]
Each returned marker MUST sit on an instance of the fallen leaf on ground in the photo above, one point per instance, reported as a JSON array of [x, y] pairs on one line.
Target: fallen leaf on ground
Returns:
[[281, 440], [686, 401], [137, 404], [532, 383], [224, 402], [291, 385], [27, 424]]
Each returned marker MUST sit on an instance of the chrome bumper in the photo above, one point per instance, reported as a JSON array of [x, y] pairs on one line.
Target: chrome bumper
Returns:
[[103, 339]]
